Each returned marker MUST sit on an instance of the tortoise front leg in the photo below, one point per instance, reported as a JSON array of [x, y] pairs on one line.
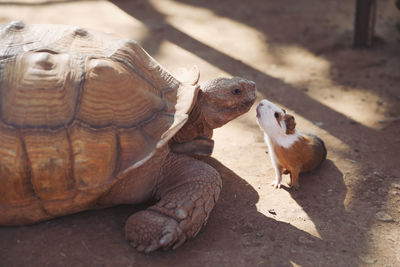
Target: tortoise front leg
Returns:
[[188, 193]]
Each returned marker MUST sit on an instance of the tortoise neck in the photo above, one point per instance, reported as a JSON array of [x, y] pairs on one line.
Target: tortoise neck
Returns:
[[195, 126]]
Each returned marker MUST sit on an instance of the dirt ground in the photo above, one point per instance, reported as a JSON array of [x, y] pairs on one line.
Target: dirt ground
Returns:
[[299, 53]]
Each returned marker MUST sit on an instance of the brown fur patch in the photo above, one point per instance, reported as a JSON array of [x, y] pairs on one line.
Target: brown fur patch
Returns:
[[303, 155], [290, 123]]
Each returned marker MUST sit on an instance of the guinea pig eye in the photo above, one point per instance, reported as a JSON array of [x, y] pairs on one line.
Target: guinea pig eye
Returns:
[[276, 115], [236, 91]]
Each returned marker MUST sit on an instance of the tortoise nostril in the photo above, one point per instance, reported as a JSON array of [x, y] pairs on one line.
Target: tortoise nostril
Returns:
[[252, 84]]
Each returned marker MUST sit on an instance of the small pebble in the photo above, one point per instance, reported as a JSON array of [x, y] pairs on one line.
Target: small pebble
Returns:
[[259, 234], [383, 216], [367, 259], [304, 240], [382, 191], [396, 186], [272, 211]]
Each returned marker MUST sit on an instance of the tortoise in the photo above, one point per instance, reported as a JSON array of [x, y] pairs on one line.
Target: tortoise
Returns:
[[90, 120]]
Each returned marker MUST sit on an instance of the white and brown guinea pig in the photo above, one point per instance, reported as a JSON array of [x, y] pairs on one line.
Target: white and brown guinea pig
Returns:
[[291, 152]]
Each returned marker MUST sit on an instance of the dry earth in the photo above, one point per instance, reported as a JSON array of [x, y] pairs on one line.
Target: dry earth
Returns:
[[299, 53]]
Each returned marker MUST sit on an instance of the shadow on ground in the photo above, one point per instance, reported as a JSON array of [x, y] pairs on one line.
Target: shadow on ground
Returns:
[[245, 238]]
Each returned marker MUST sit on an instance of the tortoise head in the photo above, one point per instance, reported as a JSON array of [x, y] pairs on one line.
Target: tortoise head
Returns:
[[223, 99]]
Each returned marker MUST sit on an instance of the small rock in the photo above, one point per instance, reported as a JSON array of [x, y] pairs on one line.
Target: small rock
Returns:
[[304, 240], [396, 186], [383, 216], [272, 211], [379, 174], [246, 243], [367, 194], [382, 191], [319, 123], [351, 160], [293, 251], [259, 234], [367, 259]]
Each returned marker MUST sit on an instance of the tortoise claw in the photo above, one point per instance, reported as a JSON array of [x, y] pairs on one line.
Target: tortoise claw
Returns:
[[148, 231]]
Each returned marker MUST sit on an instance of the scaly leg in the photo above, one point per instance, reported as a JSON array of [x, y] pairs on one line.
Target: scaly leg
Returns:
[[188, 193]]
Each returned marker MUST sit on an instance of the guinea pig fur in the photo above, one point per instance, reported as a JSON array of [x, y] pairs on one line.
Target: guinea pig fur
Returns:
[[291, 152]]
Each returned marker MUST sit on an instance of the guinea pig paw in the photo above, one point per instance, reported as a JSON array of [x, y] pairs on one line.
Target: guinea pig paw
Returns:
[[294, 187], [276, 184]]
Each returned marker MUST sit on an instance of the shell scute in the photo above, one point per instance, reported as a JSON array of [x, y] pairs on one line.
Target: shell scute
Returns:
[[135, 147], [114, 94], [48, 153], [45, 91], [15, 183], [94, 154], [139, 61]]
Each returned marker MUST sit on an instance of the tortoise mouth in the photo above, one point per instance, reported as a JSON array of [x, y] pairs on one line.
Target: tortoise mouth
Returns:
[[245, 106], [239, 109]]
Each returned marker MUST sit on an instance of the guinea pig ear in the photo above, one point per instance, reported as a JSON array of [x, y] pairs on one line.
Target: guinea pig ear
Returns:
[[290, 123]]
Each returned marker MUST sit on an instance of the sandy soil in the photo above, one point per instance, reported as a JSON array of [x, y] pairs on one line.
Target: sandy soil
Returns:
[[299, 53]]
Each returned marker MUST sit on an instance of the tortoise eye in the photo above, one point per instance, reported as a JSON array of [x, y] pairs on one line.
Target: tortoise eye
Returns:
[[276, 115], [236, 91]]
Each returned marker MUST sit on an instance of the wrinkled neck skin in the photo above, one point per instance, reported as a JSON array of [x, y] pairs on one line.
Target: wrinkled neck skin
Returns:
[[196, 126]]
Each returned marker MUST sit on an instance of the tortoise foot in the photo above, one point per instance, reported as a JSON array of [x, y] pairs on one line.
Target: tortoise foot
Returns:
[[187, 195], [148, 231]]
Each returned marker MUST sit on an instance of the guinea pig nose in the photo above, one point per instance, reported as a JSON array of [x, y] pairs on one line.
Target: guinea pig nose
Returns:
[[247, 83]]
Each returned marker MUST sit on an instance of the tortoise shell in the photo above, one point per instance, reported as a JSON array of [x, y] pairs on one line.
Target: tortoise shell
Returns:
[[78, 109]]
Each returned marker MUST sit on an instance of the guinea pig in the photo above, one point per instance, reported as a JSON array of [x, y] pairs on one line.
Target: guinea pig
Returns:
[[291, 152]]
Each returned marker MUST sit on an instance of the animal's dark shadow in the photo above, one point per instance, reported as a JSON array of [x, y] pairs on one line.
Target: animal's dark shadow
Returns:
[[321, 195], [96, 238]]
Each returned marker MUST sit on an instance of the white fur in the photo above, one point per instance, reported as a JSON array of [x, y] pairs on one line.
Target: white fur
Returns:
[[274, 133], [270, 126], [278, 174]]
